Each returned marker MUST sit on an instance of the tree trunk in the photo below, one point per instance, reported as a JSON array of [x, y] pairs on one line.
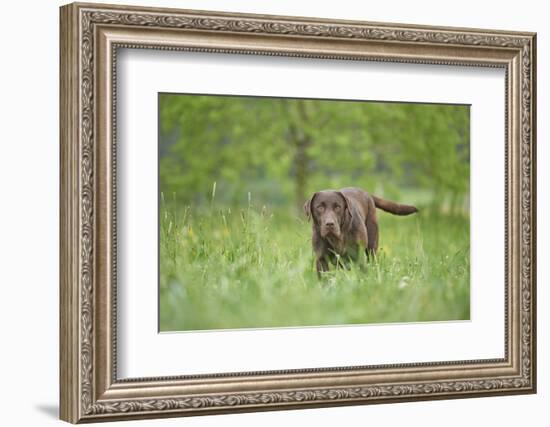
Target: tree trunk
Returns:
[[301, 168]]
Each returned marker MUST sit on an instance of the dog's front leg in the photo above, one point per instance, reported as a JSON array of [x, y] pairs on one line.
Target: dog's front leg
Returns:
[[322, 266]]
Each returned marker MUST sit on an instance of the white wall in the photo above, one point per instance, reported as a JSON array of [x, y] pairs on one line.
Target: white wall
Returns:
[[29, 170]]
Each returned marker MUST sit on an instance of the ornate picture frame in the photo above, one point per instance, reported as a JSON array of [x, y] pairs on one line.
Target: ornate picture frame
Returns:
[[90, 37]]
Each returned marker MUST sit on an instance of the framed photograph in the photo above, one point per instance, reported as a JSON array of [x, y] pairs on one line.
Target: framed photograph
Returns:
[[266, 212]]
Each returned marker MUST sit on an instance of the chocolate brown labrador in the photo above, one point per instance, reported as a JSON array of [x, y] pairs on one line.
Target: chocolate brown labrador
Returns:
[[345, 225]]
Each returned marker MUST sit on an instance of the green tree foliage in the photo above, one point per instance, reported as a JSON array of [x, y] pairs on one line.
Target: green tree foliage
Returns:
[[281, 150]]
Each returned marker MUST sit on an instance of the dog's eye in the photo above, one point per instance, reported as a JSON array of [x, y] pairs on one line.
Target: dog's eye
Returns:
[[336, 207]]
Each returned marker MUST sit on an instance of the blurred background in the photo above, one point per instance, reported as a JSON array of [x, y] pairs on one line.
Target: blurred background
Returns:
[[282, 150]]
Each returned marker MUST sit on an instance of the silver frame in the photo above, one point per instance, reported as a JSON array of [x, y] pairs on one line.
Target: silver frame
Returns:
[[90, 37]]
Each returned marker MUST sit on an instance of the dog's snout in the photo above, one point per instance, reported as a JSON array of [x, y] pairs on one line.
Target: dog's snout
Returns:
[[329, 223]]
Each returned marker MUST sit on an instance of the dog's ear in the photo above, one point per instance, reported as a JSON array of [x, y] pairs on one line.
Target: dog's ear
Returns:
[[307, 207], [348, 214]]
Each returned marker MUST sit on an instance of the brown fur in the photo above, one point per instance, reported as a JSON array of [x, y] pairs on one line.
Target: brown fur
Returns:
[[345, 224]]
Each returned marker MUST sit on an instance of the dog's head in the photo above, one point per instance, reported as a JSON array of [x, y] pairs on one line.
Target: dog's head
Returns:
[[331, 212]]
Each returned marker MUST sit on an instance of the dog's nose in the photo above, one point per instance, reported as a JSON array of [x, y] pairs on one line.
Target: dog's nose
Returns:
[[329, 224]]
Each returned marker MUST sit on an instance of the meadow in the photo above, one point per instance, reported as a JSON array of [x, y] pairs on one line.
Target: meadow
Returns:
[[228, 267], [235, 245]]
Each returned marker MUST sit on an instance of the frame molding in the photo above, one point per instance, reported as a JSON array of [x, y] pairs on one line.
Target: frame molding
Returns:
[[89, 39]]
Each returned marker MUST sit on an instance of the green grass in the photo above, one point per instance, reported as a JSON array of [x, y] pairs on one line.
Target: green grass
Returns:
[[227, 268]]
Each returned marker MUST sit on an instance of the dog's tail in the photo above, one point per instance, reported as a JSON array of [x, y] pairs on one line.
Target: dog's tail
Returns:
[[392, 207]]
